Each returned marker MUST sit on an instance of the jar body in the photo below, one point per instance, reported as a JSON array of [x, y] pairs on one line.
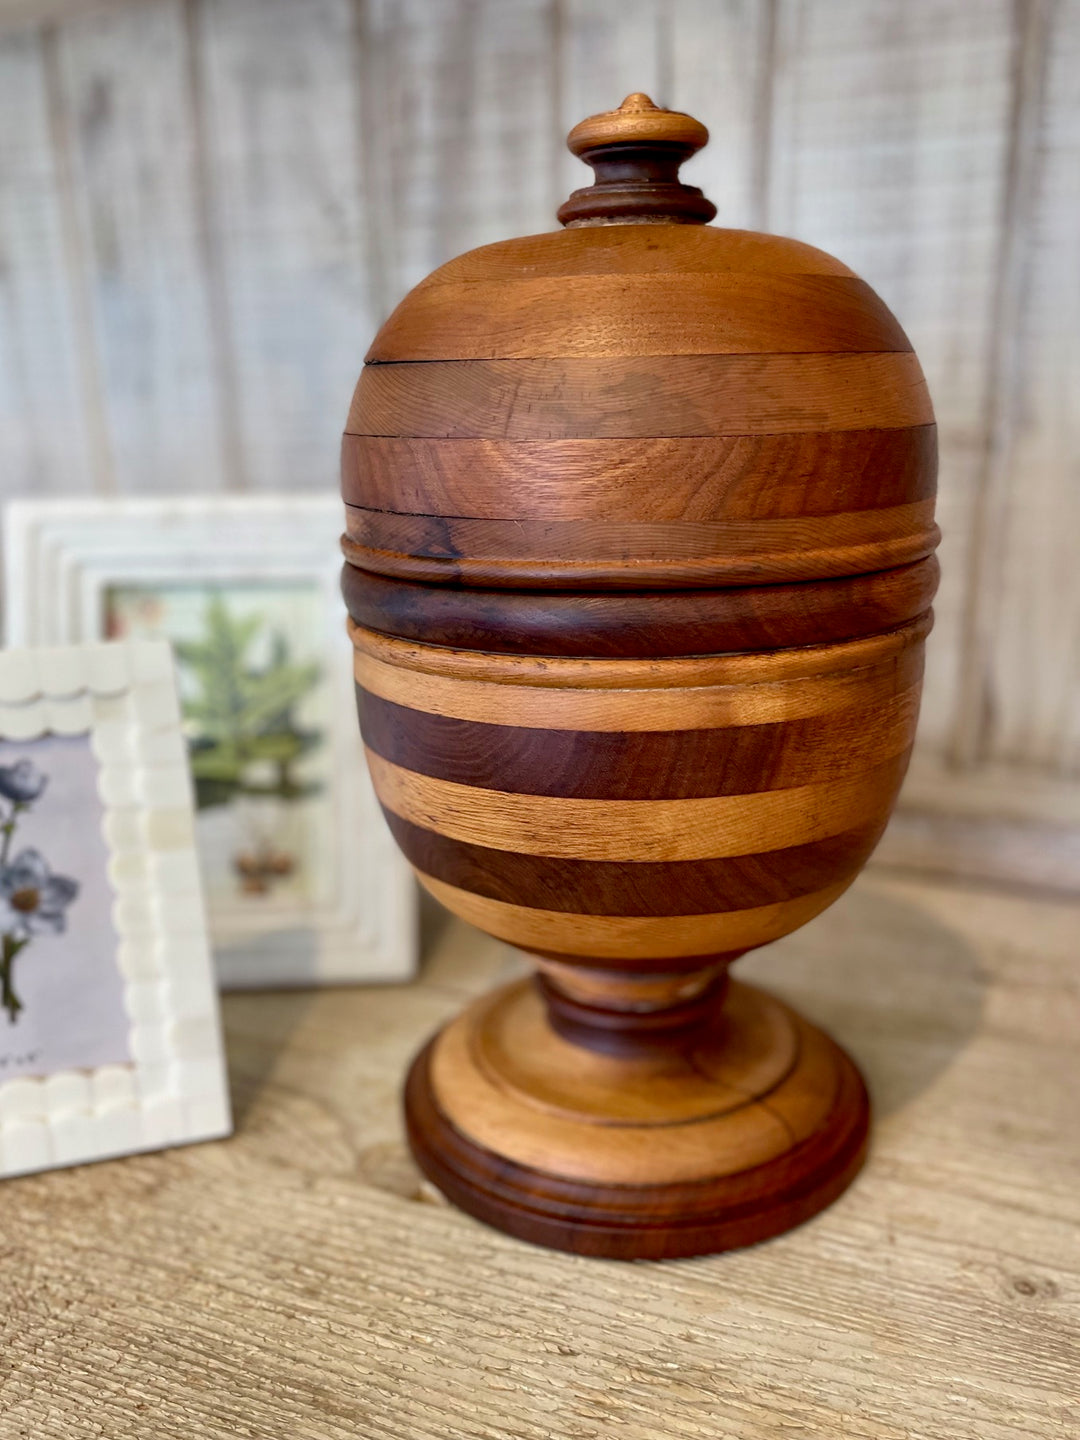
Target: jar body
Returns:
[[639, 814]]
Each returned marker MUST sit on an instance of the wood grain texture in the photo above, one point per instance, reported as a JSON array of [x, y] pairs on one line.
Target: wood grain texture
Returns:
[[1025, 616], [639, 765], [504, 1043], [135, 171], [533, 672], [678, 395], [910, 190], [651, 314], [46, 351], [614, 887], [458, 128], [288, 202], [625, 1221], [688, 700], [583, 554], [719, 56], [698, 828], [139, 1284], [626, 942], [616, 249], [638, 123], [640, 623], [706, 478]]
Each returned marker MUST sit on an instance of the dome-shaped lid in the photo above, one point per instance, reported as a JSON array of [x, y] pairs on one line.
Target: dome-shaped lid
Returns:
[[639, 400]]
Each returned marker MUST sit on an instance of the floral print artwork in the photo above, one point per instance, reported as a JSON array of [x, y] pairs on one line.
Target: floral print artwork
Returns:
[[34, 900]]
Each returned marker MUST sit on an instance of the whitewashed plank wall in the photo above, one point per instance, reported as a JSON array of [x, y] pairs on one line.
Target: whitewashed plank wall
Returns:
[[207, 205]]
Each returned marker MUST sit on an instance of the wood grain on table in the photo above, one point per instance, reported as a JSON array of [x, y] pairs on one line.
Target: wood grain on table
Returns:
[[298, 1280]]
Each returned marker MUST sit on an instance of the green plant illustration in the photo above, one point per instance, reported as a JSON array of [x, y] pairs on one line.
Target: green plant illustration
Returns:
[[245, 739]]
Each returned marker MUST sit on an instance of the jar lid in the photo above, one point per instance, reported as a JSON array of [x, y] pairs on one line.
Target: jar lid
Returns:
[[640, 401]]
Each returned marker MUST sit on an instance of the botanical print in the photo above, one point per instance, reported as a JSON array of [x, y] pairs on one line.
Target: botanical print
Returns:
[[32, 900], [61, 991], [256, 708]]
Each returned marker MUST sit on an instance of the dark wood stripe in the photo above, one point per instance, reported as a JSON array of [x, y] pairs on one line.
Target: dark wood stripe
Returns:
[[642, 764], [723, 477], [676, 622], [616, 887], [601, 554], [661, 395], [738, 312]]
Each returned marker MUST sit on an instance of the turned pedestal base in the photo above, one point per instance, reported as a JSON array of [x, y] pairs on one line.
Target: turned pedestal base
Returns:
[[711, 1121]]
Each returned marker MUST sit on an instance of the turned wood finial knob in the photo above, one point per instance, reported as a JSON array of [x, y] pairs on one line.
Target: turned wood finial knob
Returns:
[[635, 153]]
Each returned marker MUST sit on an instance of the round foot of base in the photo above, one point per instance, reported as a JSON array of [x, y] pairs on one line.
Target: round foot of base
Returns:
[[758, 1125]]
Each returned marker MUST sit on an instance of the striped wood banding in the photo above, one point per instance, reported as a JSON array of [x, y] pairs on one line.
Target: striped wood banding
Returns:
[[640, 765], [549, 707], [617, 937], [675, 479], [711, 827], [553, 399], [608, 315], [822, 662], [613, 887], [625, 623], [633, 555]]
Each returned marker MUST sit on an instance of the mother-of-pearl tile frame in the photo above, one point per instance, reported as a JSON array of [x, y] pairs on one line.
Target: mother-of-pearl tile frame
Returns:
[[60, 558], [174, 1091]]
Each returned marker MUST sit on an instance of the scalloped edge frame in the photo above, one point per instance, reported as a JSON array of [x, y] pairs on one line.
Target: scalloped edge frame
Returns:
[[59, 555], [174, 1092]]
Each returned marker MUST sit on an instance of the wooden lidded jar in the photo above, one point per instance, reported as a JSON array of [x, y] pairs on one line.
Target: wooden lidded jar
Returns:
[[640, 560]]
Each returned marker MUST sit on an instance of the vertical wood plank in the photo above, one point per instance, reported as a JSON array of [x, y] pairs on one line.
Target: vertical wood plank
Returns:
[[43, 436], [722, 73], [1027, 646], [889, 146], [129, 115], [281, 123], [461, 130]]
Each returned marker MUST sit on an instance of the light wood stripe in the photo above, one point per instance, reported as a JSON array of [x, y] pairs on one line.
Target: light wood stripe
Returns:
[[618, 937], [699, 707], [636, 830], [682, 478], [737, 312], [641, 249], [542, 671], [670, 395]]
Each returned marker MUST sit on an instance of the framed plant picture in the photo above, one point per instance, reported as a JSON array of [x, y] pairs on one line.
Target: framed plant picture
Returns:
[[303, 881], [109, 1033]]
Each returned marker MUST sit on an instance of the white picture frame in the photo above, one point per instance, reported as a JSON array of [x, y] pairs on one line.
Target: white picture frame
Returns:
[[62, 559], [171, 1090]]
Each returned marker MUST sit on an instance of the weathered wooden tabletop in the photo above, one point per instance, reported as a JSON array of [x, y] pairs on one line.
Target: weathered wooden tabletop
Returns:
[[297, 1281]]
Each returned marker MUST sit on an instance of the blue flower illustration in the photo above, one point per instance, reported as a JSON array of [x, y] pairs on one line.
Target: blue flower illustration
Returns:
[[22, 782], [33, 900]]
